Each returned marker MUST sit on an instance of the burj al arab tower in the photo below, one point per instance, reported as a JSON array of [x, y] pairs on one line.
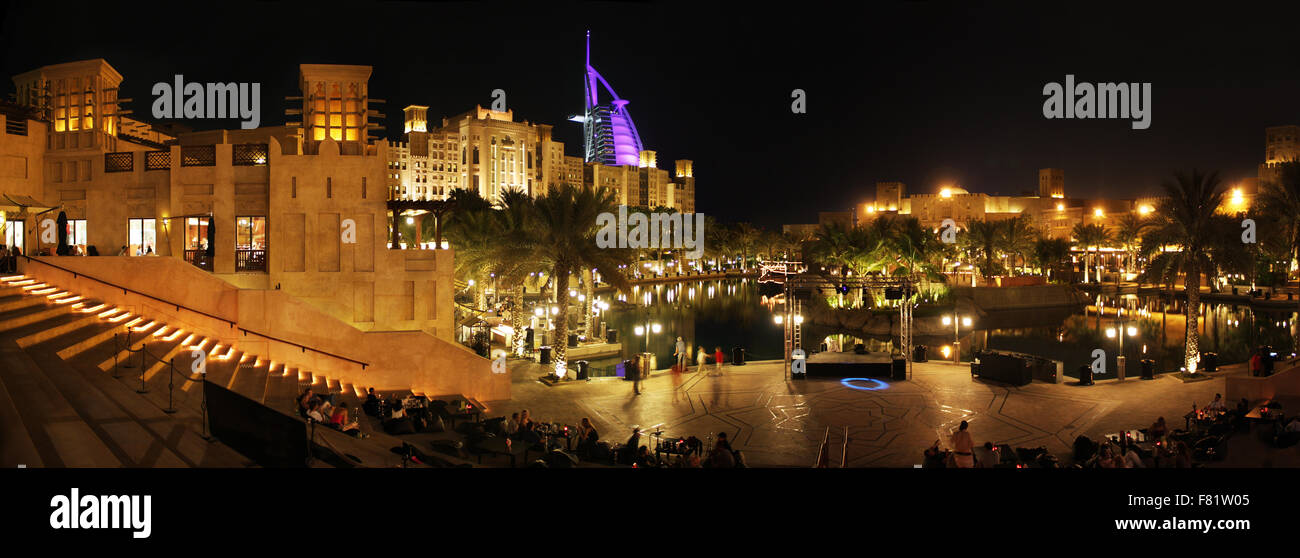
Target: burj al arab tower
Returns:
[[610, 137]]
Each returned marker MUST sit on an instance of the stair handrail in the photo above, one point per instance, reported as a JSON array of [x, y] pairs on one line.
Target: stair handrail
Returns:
[[77, 274]]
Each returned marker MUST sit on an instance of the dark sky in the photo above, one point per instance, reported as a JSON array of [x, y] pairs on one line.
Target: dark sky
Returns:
[[920, 92]]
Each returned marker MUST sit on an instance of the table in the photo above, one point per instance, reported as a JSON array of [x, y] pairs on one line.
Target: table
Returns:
[[497, 446]]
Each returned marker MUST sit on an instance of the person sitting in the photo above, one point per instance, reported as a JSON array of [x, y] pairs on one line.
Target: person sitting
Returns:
[[528, 433], [722, 440], [1106, 457], [1158, 429], [304, 401], [721, 456], [587, 436], [371, 404], [512, 424], [1132, 460], [524, 419], [339, 419], [1217, 405], [314, 413], [985, 457], [630, 448], [643, 458]]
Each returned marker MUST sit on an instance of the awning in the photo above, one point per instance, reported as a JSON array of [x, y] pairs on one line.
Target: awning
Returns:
[[18, 203]]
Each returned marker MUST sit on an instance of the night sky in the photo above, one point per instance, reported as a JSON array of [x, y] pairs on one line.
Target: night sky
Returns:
[[917, 92]]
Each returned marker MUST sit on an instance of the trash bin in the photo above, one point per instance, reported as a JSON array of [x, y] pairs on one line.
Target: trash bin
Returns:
[[918, 353], [544, 355], [611, 336], [1148, 369], [899, 369], [573, 340], [738, 356], [582, 369], [1085, 375], [1209, 362]]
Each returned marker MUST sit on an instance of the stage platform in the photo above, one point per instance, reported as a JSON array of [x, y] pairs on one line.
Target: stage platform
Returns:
[[851, 365]]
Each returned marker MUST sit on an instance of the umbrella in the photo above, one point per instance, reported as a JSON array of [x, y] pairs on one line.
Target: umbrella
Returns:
[[62, 223]]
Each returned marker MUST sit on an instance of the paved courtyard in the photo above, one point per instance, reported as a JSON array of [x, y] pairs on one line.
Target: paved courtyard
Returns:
[[781, 423]]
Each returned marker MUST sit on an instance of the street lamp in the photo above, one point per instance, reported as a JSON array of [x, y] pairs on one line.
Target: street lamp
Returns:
[[1121, 332], [649, 327], [957, 322]]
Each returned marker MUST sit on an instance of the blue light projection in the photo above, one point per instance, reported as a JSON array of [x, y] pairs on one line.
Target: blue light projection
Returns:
[[873, 384]]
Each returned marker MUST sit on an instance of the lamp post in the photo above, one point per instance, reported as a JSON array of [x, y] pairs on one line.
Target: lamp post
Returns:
[[956, 322], [1120, 332]]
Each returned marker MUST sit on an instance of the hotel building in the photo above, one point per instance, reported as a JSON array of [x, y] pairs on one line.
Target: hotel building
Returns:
[[299, 213]]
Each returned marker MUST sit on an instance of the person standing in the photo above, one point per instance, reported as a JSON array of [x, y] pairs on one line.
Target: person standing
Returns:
[[682, 353], [1256, 364], [717, 359], [634, 374], [963, 447]]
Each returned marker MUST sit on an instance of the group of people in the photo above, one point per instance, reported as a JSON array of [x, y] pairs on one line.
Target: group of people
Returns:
[[721, 456], [683, 354], [9, 259], [322, 410]]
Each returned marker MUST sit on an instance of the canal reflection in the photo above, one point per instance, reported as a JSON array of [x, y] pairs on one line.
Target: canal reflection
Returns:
[[730, 313]]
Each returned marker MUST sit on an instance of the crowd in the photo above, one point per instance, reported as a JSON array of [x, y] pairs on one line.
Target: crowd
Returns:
[[323, 410], [9, 259]]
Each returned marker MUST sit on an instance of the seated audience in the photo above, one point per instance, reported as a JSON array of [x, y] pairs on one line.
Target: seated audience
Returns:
[[587, 435], [1217, 405], [985, 457], [721, 456], [722, 440], [1158, 429], [339, 419], [1132, 460], [512, 425], [314, 413]]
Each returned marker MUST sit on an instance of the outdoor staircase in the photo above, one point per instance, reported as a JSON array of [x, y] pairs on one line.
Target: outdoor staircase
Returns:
[[76, 389]]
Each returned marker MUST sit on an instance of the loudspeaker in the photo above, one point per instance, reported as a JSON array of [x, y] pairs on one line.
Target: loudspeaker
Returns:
[[545, 357], [611, 336], [899, 369], [738, 356]]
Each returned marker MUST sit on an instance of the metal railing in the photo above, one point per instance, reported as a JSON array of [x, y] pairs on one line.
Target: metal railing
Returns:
[[199, 258], [233, 324], [118, 347], [250, 260]]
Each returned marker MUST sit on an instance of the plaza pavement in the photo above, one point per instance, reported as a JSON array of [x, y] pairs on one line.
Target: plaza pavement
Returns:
[[781, 423]]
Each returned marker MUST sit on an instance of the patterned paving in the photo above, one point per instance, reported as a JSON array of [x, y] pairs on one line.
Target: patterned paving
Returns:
[[780, 423]]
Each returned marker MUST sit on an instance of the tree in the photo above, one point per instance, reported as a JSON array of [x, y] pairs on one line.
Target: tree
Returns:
[[563, 234], [1187, 220], [983, 238], [1279, 203], [1129, 236], [1018, 238], [746, 238], [1090, 237], [1049, 253]]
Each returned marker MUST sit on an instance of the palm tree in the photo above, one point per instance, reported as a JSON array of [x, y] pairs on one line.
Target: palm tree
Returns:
[[982, 239], [1129, 236], [746, 236], [563, 234], [1187, 220], [1089, 237], [1049, 253], [1280, 203], [1019, 236]]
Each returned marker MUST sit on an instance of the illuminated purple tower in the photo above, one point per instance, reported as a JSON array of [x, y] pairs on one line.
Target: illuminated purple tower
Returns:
[[610, 137]]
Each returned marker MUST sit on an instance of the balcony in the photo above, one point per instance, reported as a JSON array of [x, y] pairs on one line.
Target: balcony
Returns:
[[250, 260], [199, 259]]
